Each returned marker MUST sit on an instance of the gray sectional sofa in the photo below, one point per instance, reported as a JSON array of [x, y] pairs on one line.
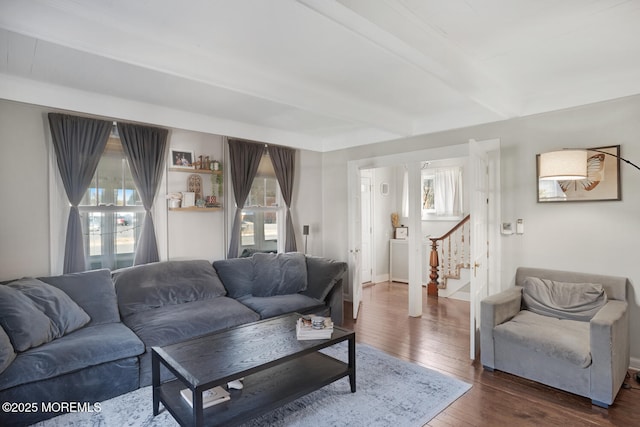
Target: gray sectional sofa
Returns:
[[86, 337]]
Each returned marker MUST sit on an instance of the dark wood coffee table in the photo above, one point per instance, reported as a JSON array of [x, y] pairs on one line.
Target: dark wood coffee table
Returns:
[[277, 368]]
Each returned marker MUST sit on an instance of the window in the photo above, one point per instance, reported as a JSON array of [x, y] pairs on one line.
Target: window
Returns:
[[442, 193], [111, 212], [261, 215]]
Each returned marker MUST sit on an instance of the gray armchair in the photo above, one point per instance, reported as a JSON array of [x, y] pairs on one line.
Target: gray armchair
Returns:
[[563, 329]]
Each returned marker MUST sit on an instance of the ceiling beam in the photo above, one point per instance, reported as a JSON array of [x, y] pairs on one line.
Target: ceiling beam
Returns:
[[69, 24], [64, 98], [393, 27]]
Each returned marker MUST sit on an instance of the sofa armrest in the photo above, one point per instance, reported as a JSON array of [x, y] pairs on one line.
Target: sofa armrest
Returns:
[[335, 301], [494, 310], [609, 340], [499, 308], [322, 276]]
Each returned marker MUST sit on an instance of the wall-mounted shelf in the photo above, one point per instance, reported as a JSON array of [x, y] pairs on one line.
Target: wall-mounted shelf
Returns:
[[207, 171], [196, 209]]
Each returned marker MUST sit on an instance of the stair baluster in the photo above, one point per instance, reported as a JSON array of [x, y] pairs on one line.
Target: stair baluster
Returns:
[[452, 260]]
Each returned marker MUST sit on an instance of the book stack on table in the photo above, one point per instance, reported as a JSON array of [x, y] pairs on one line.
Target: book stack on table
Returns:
[[314, 328], [209, 397]]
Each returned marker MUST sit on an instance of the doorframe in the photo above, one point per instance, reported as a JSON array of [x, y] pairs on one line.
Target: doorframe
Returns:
[[354, 166], [491, 149]]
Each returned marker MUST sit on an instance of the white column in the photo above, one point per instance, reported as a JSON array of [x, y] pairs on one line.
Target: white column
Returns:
[[415, 240]]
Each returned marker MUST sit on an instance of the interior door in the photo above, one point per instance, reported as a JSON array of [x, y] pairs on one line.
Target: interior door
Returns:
[[355, 231], [479, 198], [365, 199]]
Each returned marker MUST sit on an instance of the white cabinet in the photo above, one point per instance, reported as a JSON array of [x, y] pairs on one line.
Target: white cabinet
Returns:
[[399, 261]]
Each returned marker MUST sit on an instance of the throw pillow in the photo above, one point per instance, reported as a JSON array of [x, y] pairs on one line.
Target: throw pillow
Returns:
[[93, 291], [236, 275], [323, 274], [7, 353], [573, 301], [279, 274], [66, 315], [25, 325]]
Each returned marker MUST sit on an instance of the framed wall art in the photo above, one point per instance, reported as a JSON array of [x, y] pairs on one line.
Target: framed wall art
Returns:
[[601, 184], [181, 159]]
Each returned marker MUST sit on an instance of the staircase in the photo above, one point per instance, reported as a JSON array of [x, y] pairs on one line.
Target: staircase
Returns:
[[449, 262], [457, 288]]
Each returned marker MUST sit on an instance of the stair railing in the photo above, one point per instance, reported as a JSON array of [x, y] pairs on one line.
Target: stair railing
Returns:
[[454, 255]]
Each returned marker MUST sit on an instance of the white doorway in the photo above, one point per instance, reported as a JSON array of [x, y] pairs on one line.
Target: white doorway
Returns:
[[442, 153], [416, 259]]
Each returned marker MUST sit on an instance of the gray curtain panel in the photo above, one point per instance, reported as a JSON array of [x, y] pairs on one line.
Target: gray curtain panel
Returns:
[[146, 149], [283, 159], [244, 159], [78, 143]]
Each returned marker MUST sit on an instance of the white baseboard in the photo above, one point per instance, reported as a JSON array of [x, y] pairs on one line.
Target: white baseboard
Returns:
[[462, 296], [634, 364], [382, 278]]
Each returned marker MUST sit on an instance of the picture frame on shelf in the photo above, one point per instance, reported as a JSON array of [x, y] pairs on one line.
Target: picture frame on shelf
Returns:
[[401, 233], [181, 159], [188, 199]]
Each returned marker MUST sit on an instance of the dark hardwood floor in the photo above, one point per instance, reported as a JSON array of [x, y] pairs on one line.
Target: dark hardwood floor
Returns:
[[440, 340]]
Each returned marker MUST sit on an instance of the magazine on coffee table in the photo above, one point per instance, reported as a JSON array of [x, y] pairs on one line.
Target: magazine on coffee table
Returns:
[[209, 397]]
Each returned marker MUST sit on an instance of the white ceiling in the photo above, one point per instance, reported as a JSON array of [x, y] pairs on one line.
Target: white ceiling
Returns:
[[318, 74]]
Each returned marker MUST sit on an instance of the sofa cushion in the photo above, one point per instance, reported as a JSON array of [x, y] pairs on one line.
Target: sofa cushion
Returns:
[[93, 291], [23, 322], [172, 324], [89, 346], [556, 338], [576, 301], [236, 275], [280, 304], [7, 353], [177, 323], [66, 315], [322, 275], [279, 274], [154, 285]]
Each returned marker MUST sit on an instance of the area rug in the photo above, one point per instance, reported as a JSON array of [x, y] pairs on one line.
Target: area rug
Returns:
[[389, 392]]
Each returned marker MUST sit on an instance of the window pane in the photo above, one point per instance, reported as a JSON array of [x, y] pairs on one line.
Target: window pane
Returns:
[[271, 226], [95, 221], [259, 229], [131, 197], [112, 184], [246, 229], [124, 236]]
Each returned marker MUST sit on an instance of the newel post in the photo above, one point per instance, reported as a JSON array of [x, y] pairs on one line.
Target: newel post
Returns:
[[432, 287]]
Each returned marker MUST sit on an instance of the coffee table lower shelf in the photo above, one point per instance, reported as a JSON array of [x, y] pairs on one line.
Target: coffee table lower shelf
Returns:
[[263, 391]]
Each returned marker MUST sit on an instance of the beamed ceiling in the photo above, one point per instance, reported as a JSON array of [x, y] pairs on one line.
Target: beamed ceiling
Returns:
[[318, 74]]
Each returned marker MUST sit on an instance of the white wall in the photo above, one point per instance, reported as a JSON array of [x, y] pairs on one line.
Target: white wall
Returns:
[[383, 207], [199, 234], [307, 201], [24, 216], [596, 237]]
